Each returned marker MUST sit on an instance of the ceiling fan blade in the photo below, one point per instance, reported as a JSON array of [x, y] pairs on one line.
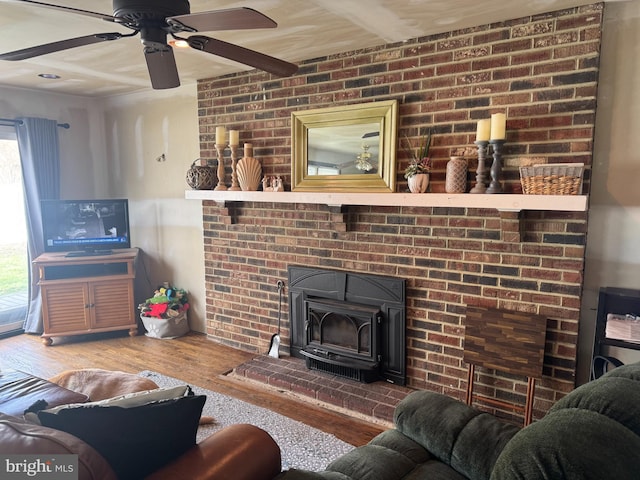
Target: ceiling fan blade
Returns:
[[242, 55], [101, 16], [162, 68], [59, 46], [229, 19]]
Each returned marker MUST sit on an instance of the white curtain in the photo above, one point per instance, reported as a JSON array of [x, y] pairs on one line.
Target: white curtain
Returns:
[[40, 159]]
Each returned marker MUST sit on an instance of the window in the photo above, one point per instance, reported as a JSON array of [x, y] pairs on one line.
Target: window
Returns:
[[14, 258]]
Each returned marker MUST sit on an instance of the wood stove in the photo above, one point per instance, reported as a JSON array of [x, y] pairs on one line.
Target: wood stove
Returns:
[[348, 324]]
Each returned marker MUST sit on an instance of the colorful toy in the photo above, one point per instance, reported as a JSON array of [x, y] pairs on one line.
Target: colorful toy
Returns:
[[166, 302]]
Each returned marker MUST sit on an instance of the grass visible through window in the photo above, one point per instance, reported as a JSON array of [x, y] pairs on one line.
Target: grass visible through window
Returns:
[[14, 264], [13, 268]]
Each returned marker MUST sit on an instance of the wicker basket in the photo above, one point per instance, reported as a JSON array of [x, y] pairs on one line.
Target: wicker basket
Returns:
[[552, 179], [200, 177]]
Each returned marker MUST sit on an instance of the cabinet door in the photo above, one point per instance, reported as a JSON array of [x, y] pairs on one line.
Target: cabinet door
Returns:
[[65, 308], [112, 302]]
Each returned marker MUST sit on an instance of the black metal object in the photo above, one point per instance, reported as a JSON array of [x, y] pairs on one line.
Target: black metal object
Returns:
[[343, 334], [348, 324], [620, 301]]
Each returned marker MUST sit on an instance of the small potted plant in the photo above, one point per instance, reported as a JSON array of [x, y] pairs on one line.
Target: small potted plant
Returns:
[[417, 172]]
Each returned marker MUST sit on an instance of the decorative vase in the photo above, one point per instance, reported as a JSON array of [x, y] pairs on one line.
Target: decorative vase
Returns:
[[200, 177], [249, 173], [456, 180], [418, 183]]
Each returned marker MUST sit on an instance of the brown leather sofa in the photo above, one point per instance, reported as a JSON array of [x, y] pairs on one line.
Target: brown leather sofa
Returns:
[[20, 390], [239, 452]]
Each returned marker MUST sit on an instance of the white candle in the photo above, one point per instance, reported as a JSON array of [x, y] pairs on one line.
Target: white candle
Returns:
[[498, 126], [483, 131], [234, 137], [221, 136]]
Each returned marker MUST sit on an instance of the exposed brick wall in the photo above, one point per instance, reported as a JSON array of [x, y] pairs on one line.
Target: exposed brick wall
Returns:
[[542, 71]]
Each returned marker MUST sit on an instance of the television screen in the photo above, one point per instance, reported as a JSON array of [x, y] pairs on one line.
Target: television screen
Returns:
[[91, 227]]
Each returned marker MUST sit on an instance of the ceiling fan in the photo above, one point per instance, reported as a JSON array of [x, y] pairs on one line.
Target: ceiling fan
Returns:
[[154, 20]]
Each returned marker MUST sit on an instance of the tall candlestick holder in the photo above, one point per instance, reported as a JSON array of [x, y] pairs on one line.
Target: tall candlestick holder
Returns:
[[234, 171], [481, 171], [496, 167], [220, 149]]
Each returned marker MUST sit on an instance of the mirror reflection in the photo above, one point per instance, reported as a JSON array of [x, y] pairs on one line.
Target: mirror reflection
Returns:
[[344, 150], [348, 148]]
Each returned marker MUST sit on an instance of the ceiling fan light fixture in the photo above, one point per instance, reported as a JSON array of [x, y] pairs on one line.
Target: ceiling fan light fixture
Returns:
[[362, 162], [178, 43]]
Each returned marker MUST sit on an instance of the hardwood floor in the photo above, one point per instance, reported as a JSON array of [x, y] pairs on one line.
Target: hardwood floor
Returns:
[[192, 358]]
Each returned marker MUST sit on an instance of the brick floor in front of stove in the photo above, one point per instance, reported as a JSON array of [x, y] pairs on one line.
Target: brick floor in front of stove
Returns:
[[374, 401]]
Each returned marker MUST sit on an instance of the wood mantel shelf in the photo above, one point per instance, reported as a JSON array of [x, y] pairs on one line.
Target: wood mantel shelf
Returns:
[[510, 206], [502, 202]]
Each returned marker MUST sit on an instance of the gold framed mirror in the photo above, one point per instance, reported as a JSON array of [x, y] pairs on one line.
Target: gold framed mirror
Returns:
[[350, 148]]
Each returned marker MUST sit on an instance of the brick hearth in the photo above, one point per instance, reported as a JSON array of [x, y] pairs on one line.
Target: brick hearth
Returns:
[[374, 401]]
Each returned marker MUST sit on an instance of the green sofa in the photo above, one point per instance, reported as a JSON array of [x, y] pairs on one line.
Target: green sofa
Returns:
[[591, 434]]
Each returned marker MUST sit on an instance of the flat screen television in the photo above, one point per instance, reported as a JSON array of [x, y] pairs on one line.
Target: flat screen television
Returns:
[[85, 227]]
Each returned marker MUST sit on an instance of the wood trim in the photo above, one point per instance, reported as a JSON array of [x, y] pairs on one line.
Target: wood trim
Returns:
[[502, 202]]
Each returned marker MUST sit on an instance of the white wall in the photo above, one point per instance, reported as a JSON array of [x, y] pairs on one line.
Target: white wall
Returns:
[[139, 129], [613, 240]]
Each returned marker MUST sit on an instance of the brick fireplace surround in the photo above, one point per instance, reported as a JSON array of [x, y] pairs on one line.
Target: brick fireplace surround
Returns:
[[542, 71]]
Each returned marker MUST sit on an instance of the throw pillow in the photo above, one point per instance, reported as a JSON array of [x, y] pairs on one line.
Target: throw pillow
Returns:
[[127, 400], [136, 440]]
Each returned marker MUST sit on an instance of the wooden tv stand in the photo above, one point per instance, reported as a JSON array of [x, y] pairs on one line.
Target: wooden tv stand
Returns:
[[87, 294]]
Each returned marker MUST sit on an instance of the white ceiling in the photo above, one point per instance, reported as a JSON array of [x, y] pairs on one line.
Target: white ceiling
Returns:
[[306, 29]]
